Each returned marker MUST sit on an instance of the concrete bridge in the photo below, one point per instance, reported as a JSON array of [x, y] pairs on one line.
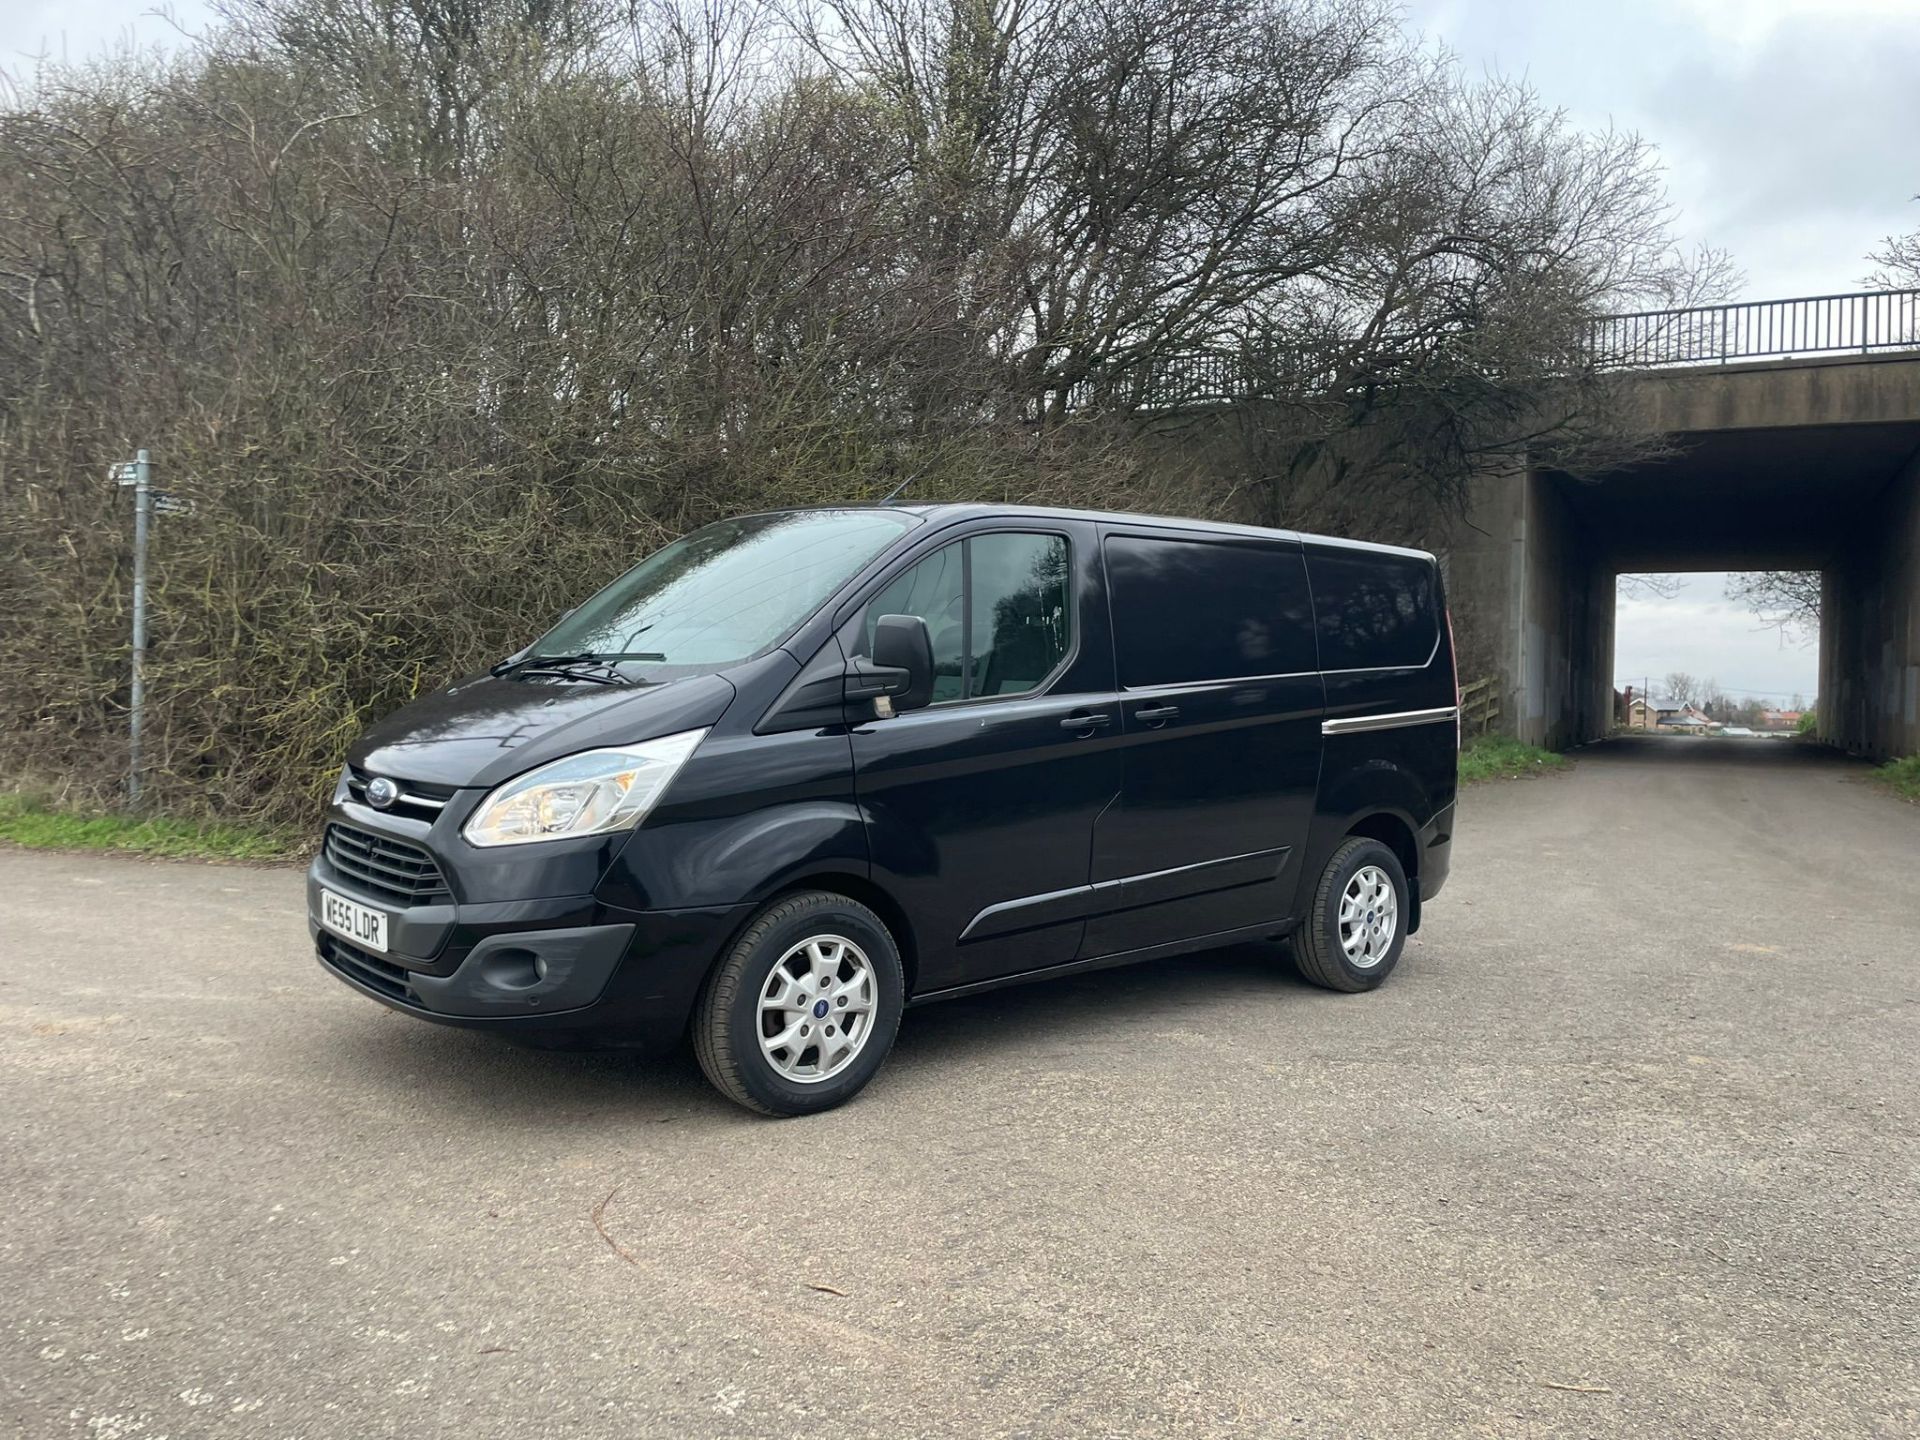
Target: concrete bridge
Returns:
[[1795, 428]]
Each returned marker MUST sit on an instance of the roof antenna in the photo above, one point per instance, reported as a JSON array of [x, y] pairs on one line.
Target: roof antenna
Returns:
[[891, 494], [932, 460]]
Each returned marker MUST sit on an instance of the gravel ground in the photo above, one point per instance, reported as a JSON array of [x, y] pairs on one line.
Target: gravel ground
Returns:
[[1626, 1147]]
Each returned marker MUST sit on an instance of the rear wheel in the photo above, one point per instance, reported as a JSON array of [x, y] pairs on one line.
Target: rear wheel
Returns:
[[801, 1012], [1357, 926]]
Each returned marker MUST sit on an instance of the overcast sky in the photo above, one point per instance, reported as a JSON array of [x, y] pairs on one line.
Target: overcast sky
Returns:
[[1788, 127], [1701, 632], [76, 29]]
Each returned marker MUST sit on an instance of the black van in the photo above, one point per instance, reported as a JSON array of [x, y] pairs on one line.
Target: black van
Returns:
[[796, 771]]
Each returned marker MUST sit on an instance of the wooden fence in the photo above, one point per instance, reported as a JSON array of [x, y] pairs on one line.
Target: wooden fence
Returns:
[[1479, 708]]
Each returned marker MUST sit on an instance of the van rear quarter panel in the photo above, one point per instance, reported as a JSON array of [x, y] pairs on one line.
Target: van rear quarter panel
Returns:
[[1409, 771]]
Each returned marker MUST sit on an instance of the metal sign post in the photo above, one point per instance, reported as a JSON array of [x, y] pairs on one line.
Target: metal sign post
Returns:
[[147, 503], [138, 474]]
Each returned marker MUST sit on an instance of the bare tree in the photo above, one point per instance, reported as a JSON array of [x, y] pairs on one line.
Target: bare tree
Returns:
[[1682, 687], [1898, 262], [1651, 587], [1789, 599], [525, 286], [1454, 324]]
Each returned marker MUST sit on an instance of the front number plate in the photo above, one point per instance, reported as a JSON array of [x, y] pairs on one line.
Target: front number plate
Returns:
[[358, 923]]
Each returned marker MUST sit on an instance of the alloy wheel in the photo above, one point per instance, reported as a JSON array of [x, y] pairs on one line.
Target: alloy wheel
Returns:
[[1369, 917], [816, 1009]]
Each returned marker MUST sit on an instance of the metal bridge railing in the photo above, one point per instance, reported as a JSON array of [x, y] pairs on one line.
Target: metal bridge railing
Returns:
[[1645, 340], [1759, 329]]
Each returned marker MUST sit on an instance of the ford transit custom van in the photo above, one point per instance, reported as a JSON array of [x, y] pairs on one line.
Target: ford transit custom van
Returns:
[[797, 771]]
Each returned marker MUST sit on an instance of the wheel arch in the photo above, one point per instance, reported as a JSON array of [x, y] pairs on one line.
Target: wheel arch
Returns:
[[864, 891], [1396, 831], [1369, 794]]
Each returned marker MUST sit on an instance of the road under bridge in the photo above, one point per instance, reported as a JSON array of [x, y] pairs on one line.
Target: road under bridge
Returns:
[[1801, 462]]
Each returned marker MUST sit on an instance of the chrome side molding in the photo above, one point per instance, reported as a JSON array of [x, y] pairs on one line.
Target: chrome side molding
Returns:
[[1354, 724]]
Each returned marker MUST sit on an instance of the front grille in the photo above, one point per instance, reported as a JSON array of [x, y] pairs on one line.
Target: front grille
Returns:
[[373, 971], [391, 869], [418, 800]]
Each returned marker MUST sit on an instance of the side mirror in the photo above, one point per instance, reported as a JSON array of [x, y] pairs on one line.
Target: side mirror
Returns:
[[901, 669], [903, 642]]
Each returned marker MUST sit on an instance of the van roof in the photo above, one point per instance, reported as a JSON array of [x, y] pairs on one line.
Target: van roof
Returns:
[[972, 509]]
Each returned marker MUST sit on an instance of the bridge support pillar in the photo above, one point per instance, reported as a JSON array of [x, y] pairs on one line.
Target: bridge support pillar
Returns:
[[1533, 607], [1870, 628]]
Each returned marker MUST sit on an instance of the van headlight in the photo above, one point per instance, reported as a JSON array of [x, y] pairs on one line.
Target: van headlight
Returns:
[[584, 794]]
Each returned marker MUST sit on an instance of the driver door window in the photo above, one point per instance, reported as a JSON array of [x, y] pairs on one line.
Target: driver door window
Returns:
[[997, 608], [932, 590]]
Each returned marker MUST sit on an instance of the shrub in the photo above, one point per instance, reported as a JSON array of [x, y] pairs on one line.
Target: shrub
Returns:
[[1497, 757], [443, 315]]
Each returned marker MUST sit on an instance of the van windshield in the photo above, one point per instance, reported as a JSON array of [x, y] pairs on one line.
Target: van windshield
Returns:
[[726, 591]]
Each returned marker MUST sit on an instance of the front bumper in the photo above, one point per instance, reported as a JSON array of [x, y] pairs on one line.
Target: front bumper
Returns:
[[569, 967]]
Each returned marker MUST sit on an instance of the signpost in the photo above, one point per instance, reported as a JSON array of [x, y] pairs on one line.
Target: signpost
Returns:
[[138, 474], [147, 502]]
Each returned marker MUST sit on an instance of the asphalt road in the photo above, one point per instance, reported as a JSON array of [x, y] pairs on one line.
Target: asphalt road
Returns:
[[1626, 1147]]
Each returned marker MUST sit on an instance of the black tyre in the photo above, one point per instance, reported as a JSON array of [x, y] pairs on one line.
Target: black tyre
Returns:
[[1357, 926], [801, 1012]]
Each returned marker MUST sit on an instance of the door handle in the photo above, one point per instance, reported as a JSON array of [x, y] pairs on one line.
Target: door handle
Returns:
[[1157, 714], [1084, 723]]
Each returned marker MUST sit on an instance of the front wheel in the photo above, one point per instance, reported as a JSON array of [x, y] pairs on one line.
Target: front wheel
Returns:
[[800, 1013], [1353, 935]]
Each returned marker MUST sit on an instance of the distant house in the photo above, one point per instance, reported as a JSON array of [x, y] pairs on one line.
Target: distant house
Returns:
[[1680, 717], [1639, 713], [1780, 719]]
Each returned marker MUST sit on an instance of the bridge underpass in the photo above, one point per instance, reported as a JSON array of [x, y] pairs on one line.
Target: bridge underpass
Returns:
[[1803, 463]]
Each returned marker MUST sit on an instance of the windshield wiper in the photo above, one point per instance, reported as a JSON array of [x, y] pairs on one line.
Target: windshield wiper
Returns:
[[564, 666], [507, 667]]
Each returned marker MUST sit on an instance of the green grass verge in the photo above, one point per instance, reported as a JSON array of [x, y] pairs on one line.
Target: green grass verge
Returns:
[[1902, 777], [1494, 757], [38, 826]]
